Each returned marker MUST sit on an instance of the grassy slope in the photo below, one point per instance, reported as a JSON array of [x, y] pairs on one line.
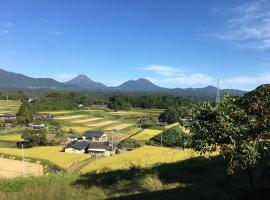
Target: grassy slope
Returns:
[[193, 179]]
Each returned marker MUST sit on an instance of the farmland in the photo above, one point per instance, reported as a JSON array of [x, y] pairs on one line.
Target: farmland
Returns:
[[9, 106], [146, 135], [51, 153], [13, 168], [142, 157], [11, 137]]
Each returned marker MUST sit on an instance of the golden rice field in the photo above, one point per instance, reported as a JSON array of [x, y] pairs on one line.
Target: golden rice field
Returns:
[[171, 125], [70, 117], [145, 156], [146, 135], [77, 129], [50, 153], [119, 127], [104, 123], [11, 138], [87, 120], [58, 112], [127, 113], [9, 106]]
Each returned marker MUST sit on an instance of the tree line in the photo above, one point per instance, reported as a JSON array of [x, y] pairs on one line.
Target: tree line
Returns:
[[126, 102]]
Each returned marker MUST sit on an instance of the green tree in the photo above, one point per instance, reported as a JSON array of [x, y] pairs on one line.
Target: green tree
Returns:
[[173, 114], [239, 126], [25, 113], [173, 138], [34, 137]]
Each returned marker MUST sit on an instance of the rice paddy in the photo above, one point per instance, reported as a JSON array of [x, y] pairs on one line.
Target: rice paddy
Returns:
[[87, 120], [11, 138], [145, 156], [70, 117], [119, 127], [9, 106], [171, 125], [50, 153], [76, 129], [104, 123], [146, 135]]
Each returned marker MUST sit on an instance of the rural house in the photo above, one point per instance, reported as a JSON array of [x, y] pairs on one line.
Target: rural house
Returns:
[[44, 116], [95, 136], [7, 116], [77, 147], [101, 148]]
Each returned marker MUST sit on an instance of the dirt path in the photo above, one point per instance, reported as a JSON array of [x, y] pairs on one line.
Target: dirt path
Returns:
[[78, 166], [13, 168]]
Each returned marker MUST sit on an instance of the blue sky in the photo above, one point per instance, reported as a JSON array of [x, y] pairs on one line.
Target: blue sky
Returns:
[[173, 43]]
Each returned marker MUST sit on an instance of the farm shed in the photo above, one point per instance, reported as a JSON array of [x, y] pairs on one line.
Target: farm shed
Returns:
[[77, 147], [95, 136]]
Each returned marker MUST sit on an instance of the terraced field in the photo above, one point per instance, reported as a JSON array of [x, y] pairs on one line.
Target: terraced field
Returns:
[[9, 106], [11, 137], [146, 135], [50, 153], [145, 156], [119, 127]]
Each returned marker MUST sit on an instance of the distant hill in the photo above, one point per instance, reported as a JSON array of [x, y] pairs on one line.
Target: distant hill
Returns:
[[138, 85], [84, 82], [15, 80]]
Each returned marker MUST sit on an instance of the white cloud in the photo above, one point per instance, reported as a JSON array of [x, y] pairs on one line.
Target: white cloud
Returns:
[[7, 24], [46, 21], [247, 80], [173, 77], [248, 25], [185, 80], [162, 70], [57, 33], [4, 32], [65, 77]]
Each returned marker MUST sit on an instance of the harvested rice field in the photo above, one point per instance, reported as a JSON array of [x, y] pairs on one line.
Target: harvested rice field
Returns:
[[100, 124], [87, 120], [171, 125], [13, 168], [70, 117], [119, 127]]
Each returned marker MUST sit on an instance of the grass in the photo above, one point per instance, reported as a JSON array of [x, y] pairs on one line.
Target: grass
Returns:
[[11, 138], [142, 157], [51, 153], [192, 179], [146, 135]]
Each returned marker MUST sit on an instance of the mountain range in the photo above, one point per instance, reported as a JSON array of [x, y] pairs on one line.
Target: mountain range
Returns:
[[82, 82]]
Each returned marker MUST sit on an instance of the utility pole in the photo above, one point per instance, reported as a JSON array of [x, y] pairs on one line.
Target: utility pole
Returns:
[[112, 142], [22, 161], [218, 94]]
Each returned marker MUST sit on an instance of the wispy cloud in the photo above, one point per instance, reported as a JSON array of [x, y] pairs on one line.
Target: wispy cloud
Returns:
[[7, 24], [162, 70], [247, 25], [46, 21], [64, 77], [4, 32], [171, 77], [247, 80], [185, 80], [57, 33]]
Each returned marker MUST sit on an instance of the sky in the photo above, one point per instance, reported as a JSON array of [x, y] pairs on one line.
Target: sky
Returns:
[[173, 43]]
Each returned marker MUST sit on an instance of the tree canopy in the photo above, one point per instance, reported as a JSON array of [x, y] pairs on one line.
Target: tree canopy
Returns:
[[239, 127]]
